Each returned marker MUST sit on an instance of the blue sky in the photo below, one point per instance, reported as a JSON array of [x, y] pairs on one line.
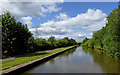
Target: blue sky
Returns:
[[62, 19], [74, 8]]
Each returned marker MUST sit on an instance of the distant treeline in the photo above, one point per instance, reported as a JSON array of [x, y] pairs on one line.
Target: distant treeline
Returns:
[[17, 39], [108, 38]]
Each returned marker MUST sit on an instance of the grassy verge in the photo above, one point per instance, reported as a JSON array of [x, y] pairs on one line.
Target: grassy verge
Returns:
[[11, 63]]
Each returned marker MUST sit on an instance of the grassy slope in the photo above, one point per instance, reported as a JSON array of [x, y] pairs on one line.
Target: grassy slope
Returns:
[[22, 60]]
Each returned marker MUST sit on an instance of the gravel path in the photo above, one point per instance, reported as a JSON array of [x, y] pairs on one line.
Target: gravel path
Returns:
[[19, 56]]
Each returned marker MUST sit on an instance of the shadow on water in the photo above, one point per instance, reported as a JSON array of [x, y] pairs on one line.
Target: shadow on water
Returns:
[[108, 64]]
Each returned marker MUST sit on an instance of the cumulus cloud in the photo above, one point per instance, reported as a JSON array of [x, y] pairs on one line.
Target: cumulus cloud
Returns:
[[77, 36], [92, 20], [27, 20], [19, 9], [57, 33], [36, 9], [32, 0], [50, 31], [62, 16]]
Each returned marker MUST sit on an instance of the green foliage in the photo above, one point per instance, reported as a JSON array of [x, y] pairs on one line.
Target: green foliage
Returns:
[[42, 44], [0, 28], [30, 44], [117, 55], [14, 35], [108, 38], [79, 43], [67, 42], [71, 42], [85, 40], [52, 40], [17, 39], [62, 42]]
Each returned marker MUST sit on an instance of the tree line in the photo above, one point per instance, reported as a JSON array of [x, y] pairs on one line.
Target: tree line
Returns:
[[17, 39], [108, 38]]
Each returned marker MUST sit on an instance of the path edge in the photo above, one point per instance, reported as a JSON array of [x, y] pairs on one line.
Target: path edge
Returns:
[[23, 67]]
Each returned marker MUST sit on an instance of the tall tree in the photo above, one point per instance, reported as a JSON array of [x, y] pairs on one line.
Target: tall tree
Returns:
[[108, 38], [14, 35]]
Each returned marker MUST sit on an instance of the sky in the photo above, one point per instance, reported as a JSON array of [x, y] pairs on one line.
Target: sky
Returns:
[[61, 19]]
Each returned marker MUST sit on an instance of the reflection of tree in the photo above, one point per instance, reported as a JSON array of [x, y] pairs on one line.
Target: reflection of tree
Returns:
[[52, 61], [108, 65], [67, 52]]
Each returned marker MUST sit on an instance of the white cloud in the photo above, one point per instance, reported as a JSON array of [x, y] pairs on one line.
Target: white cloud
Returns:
[[32, 0], [50, 31], [91, 20], [19, 9], [27, 20], [62, 16], [77, 38], [61, 0], [36, 9], [58, 34]]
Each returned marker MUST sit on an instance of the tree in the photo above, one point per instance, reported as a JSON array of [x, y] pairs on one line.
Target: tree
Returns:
[[108, 38], [17, 39], [71, 42], [52, 40], [42, 44], [85, 40], [14, 35], [62, 43]]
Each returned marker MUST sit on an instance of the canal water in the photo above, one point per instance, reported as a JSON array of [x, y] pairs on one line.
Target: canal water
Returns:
[[78, 60]]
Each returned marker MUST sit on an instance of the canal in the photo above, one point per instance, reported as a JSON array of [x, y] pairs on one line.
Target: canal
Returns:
[[78, 60]]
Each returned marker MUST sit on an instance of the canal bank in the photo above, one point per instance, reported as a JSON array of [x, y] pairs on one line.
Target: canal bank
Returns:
[[23, 67], [78, 60]]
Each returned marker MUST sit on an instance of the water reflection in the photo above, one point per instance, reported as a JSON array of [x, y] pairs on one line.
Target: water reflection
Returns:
[[69, 52], [78, 60], [52, 61], [108, 65]]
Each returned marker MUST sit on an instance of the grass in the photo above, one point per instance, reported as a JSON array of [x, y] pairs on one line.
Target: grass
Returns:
[[11, 63]]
